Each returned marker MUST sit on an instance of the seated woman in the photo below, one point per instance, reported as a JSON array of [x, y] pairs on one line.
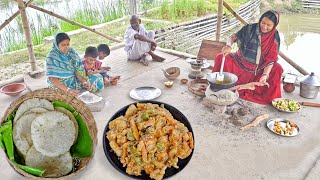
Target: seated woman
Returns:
[[256, 59], [66, 71]]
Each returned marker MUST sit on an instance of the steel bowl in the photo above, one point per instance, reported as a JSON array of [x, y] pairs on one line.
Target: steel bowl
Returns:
[[229, 80]]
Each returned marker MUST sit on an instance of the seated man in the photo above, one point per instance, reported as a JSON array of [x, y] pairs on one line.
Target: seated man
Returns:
[[140, 43]]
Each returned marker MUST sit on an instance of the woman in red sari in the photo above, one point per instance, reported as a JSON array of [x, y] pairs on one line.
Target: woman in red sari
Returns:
[[256, 59]]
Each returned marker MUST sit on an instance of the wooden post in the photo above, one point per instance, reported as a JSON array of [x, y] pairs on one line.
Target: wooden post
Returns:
[[133, 7], [7, 21], [27, 33], [73, 22], [289, 61], [219, 19]]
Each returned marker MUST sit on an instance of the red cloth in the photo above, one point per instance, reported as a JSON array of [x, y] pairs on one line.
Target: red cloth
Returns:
[[261, 94], [269, 48]]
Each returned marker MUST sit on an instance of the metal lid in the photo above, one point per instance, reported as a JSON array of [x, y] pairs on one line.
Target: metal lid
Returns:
[[311, 80]]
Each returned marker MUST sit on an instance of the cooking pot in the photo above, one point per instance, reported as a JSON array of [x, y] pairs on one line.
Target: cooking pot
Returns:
[[310, 86], [228, 81]]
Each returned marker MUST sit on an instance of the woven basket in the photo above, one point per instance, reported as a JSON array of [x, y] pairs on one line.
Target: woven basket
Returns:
[[78, 105]]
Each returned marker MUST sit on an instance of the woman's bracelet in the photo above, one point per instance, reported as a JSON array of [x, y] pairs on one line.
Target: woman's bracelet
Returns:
[[265, 74]]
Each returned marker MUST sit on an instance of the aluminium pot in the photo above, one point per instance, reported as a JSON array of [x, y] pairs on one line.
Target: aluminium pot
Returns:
[[229, 80], [310, 86]]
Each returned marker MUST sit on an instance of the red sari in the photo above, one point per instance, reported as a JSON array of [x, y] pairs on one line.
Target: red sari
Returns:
[[250, 72]]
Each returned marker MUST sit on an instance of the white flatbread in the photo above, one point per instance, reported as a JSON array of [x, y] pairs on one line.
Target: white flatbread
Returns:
[[37, 110], [33, 103], [53, 133], [71, 116], [54, 166], [22, 133]]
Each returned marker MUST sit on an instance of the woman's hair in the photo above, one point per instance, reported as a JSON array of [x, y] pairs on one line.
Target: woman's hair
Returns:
[[104, 49], [272, 15], [91, 52], [61, 37]]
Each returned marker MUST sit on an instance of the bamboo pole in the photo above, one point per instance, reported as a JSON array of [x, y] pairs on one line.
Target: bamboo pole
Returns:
[[27, 33], [291, 62], [133, 7], [7, 21], [219, 21], [73, 22]]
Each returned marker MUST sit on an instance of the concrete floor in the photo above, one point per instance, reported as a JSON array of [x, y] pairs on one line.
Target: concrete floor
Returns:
[[222, 150]]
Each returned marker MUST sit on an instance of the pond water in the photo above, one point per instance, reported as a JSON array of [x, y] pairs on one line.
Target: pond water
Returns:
[[300, 37]]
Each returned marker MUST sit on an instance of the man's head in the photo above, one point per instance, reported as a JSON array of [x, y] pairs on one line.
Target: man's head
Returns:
[[91, 54], [103, 51], [135, 22]]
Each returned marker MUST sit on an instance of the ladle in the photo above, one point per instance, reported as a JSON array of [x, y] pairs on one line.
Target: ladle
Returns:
[[220, 76], [165, 72]]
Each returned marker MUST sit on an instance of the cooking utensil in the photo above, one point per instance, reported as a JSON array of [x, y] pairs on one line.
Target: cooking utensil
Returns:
[[115, 161], [220, 75], [282, 123], [310, 86], [310, 104], [228, 82]]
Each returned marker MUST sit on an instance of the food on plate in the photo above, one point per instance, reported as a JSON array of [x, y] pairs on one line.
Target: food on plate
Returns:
[[284, 128], [286, 104], [149, 139]]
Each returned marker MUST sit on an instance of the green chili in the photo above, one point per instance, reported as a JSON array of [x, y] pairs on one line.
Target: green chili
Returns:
[[30, 170], [1, 143], [6, 130], [83, 146]]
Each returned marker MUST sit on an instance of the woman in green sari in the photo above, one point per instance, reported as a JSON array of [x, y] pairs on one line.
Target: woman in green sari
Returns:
[[66, 71]]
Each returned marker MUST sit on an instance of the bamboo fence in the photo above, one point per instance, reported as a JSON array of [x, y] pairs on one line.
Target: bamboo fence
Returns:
[[187, 36], [313, 4]]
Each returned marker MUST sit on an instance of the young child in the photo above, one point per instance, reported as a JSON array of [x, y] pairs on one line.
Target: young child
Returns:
[[92, 66], [103, 52]]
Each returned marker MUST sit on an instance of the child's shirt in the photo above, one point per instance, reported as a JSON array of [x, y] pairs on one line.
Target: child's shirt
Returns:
[[97, 66]]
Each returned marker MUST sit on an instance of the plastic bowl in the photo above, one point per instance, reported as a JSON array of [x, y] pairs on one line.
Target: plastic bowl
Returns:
[[13, 89], [173, 73]]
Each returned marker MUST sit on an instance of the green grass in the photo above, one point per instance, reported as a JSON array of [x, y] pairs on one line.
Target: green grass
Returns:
[[184, 10], [79, 42]]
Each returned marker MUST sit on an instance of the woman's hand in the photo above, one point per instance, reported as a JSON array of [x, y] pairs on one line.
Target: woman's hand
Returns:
[[226, 50], [73, 92], [263, 79]]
